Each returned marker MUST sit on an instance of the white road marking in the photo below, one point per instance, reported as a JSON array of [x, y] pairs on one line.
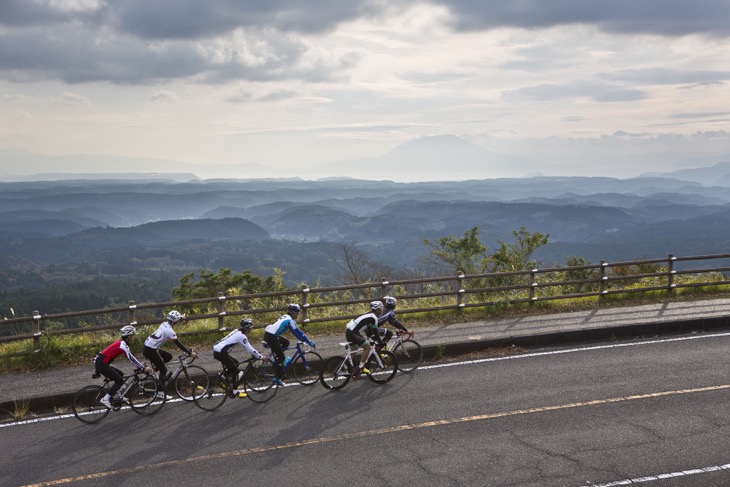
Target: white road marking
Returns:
[[663, 476]]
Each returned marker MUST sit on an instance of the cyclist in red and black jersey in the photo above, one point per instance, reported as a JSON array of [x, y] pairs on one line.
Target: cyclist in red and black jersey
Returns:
[[103, 360]]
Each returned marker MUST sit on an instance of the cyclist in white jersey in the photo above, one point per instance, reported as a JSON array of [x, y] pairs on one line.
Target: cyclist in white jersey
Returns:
[[160, 357], [277, 343], [223, 347]]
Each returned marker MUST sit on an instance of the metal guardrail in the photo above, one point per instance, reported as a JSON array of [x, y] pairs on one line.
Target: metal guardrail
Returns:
[[415, 295]]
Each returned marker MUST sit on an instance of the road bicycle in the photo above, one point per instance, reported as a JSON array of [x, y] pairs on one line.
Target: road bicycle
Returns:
[[139, 391], [303, 364], [408, 351], [256, 380], [337, 371], [189, 380]]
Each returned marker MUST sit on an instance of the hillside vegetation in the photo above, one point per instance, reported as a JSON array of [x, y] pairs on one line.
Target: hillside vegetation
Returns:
[[84, 244]]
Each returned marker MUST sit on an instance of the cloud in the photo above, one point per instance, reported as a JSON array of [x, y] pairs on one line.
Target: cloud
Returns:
[[597, 91], [145, 42], [164, 96], [658, 17], [667, 76], [71, 99]]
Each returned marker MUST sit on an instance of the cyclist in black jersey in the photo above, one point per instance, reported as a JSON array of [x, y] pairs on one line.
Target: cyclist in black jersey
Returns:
[[388, 316], [367, 323]]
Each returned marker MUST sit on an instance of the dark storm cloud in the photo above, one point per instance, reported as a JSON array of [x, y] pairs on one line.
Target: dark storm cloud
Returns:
[[661, 17], [28, 12]]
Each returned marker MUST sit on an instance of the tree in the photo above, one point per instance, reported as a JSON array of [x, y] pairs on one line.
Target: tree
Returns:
[[450, 255], [356, 266], [516, 256], [228, 282]]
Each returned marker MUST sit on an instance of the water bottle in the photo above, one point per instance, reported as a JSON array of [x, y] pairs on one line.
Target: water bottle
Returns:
[[286, 362]]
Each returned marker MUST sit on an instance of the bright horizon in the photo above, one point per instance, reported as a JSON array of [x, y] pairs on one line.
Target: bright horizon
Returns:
[[269, 89]]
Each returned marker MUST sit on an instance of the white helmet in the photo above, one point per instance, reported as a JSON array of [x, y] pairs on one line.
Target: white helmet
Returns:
[[174, 316], [127, 331], [375, 305]]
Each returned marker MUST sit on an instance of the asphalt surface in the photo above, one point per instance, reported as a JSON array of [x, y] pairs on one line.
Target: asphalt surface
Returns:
[[43, 391]]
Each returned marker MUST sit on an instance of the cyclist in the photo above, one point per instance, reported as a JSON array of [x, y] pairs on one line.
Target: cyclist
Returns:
[[222, 348], [277, 343], [160, 357], [103, 363], [388, 316], [369, 324]]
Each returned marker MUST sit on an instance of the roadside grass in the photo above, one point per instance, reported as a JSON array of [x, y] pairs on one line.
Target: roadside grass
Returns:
[[72, 349]]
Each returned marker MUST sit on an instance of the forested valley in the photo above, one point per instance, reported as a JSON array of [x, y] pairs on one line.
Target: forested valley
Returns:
[[86, 244]]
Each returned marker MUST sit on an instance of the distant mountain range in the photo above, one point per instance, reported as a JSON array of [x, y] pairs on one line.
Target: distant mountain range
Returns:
[[429, 158], [432, 158], [141, 235]]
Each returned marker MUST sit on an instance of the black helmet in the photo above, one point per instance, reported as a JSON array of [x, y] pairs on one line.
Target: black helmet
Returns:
[[293, 308], [246, 324], [390, 302]]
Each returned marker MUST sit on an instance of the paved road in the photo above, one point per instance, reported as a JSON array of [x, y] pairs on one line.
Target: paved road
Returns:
[[604, 414], [54, 388]]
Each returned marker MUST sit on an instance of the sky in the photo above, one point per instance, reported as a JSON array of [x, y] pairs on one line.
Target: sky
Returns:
[[233, 88]]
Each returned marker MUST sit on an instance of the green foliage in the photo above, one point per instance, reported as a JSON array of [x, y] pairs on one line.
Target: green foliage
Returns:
[[452, 255], [230, 283], [516, 256]]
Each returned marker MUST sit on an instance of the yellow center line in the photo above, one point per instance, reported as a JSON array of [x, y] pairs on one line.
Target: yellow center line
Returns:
[[381, 431]]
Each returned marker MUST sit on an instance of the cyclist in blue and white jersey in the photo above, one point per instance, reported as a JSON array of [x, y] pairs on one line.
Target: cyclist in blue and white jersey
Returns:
[[388, 317], [223, 347], [277, 343], [368, 323]]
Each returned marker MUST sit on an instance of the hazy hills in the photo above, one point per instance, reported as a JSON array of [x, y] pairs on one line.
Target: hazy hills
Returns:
[[134, 236]]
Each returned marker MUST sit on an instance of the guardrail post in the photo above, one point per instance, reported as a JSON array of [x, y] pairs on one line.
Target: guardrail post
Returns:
[[221, 310], [305, 302], [533, 285], [460, 290], [604, 278], [670, 273], [132, 313], [384, 288], [36, 331]]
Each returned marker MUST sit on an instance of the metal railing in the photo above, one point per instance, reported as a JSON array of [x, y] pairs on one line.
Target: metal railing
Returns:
[[429, 294]]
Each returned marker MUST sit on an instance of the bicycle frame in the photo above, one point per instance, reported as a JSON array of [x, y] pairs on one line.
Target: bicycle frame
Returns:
[[349, 352], [298, 352]]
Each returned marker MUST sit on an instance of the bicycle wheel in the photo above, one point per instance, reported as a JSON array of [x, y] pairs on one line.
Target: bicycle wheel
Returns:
[[409, 354], [142, 396], [306, 368], [214, 395], [381, 375], [87, 405], [191, 381], [335, 373], [258, 382]]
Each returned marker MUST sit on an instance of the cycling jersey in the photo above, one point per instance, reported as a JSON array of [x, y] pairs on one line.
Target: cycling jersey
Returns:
[[284, 323], [369, 321], [389, 316], [236, 337], [163, 333], [117, 348]]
